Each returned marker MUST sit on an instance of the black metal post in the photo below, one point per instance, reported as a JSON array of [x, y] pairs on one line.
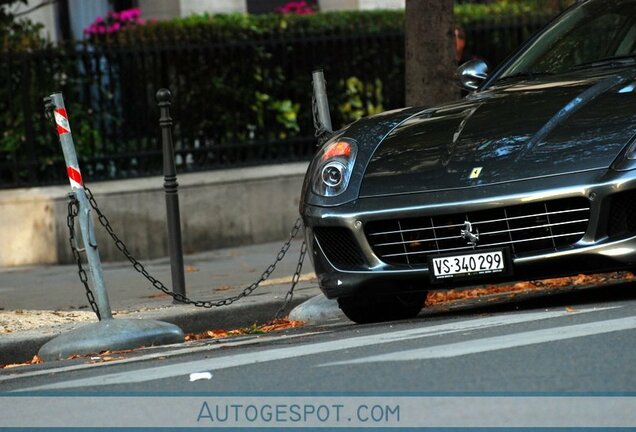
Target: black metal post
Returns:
[[170, 185]]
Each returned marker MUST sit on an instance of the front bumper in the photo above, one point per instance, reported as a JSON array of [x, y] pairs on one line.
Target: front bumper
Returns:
[[595, 252]]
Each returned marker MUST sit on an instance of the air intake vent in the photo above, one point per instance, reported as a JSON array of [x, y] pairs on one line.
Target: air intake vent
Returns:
[[340, 247], [622, 215], [527, 228]]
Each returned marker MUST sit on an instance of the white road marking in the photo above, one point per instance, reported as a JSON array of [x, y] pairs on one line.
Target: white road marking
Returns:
[[235, 360], [161, 354], [475, 346]]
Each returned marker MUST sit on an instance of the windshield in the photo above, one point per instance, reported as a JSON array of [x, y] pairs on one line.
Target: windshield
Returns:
[[599, 33]]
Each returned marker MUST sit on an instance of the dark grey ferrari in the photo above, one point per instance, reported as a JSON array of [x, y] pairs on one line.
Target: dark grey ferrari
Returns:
[[531, 175]]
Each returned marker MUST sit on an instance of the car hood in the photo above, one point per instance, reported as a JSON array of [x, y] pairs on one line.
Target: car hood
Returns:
[[508, 133]]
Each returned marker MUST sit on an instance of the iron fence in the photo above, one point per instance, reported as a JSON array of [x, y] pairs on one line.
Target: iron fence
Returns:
[[235, 104]]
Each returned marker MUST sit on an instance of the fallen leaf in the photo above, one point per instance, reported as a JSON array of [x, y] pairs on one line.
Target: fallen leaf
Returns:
[[570, 309], [34, 360], [278, 324], [160, 294], [441, 297], [105, 359], [191, 269], [223, 288], [117, 351]]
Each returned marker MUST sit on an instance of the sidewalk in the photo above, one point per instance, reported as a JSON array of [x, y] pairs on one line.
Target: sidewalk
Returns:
[[39, 302]]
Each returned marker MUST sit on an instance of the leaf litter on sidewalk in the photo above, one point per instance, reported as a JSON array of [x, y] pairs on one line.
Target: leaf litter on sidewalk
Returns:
[[437, 298], [109, 356]]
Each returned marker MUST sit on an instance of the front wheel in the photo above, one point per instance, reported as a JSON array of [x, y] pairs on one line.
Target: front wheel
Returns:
[[371, 308]]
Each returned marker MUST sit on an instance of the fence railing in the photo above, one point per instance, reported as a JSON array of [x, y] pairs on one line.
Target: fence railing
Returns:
[[236, 104]]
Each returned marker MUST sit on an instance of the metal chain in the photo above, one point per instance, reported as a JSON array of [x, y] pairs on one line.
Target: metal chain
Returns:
[[295, 279], [103, 220], [73, 211]]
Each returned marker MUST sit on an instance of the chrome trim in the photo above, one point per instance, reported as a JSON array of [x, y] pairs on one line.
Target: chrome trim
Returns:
[[488, 245], [532, 215], [419, 241], [534, 227], [481, 222]]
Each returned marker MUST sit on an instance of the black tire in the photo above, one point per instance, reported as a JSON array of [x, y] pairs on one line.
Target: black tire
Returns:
[[371, 308]]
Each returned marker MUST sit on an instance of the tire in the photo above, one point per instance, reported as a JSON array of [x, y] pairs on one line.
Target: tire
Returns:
[[372, 308]]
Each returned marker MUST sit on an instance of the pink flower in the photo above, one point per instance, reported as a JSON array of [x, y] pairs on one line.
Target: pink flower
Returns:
[[115, 22], [296, 8]]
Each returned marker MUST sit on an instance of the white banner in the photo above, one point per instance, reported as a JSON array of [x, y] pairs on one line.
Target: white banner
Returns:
[[317, 411]]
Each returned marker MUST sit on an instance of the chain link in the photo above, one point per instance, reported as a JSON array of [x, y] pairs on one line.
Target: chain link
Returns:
[[139, 267], [73, 211], [295, 279]]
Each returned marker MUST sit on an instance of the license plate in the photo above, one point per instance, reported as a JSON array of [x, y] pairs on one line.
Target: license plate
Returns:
[[470, 264]]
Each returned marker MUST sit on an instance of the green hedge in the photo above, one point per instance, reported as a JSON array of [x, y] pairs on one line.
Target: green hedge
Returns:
[[205, 28]]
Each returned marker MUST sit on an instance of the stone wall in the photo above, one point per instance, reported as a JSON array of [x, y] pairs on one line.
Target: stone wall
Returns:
[[218, 209]]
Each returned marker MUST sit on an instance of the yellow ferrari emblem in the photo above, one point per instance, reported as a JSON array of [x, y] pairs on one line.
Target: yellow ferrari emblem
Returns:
[[476, 172]]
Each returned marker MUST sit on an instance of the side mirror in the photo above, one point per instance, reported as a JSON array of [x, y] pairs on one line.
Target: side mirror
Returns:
[[471, 74]]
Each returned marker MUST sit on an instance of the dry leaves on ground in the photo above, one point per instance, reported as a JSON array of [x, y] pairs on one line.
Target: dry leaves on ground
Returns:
[[34, 360], [440, 297], [104, 356], [278, 324], [158, 295]]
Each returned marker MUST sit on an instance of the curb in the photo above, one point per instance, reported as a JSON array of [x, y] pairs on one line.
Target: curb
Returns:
[[21, 347]]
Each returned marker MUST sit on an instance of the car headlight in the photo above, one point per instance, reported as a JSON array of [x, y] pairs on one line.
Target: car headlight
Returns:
[[631, 151], [333, 167], [627, 159]]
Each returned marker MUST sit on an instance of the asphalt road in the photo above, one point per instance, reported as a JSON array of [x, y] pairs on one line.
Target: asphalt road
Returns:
[[577, 342]]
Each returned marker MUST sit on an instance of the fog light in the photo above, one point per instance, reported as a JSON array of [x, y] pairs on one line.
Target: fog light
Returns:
[[333, 173]]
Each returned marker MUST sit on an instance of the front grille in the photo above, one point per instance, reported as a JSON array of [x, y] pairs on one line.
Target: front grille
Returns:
[[340, 247], [622, 215], [526, 228]]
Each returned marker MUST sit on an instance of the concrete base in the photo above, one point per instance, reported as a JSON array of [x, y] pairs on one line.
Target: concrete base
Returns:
[[111, 335], [317, 310]]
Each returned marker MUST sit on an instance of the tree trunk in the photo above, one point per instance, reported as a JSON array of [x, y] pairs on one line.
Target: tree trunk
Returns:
[[430, 52], [554, 5]]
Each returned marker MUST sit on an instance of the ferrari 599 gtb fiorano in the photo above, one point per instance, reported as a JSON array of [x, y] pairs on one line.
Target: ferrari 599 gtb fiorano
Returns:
[[533, 174]]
